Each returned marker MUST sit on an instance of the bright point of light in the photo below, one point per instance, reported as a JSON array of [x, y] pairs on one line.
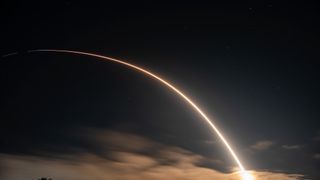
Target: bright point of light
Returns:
[[245, 175]]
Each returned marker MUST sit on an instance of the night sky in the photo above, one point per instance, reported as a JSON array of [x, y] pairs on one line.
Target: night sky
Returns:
[[252, 66]]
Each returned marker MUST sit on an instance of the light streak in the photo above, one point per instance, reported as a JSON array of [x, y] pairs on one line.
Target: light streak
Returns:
[[244, 174], [10, 54]]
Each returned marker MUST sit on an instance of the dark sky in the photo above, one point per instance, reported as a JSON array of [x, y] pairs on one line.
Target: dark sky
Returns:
[[252, 66]]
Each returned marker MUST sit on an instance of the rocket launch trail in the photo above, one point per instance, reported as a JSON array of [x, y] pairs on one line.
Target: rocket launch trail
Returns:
[[245, 175]]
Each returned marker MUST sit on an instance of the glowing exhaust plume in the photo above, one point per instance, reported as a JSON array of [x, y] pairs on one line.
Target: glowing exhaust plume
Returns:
[[244, 174]]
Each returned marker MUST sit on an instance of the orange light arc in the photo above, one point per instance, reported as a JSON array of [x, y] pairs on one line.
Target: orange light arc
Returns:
[[244, 174]]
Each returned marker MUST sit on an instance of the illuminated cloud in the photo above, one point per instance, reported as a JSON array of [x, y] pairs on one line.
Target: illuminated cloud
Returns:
[[262, 145], [209, 142], [292, 147], [317, 156], [126, 157]]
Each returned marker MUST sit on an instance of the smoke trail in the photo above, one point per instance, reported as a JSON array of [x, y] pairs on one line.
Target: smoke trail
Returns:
[[10, 54], [244, 174]]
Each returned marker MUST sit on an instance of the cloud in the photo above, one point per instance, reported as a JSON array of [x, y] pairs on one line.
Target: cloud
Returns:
[[291, 147], [262, 145], [316, 156], [124, 157], [209, 142]]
